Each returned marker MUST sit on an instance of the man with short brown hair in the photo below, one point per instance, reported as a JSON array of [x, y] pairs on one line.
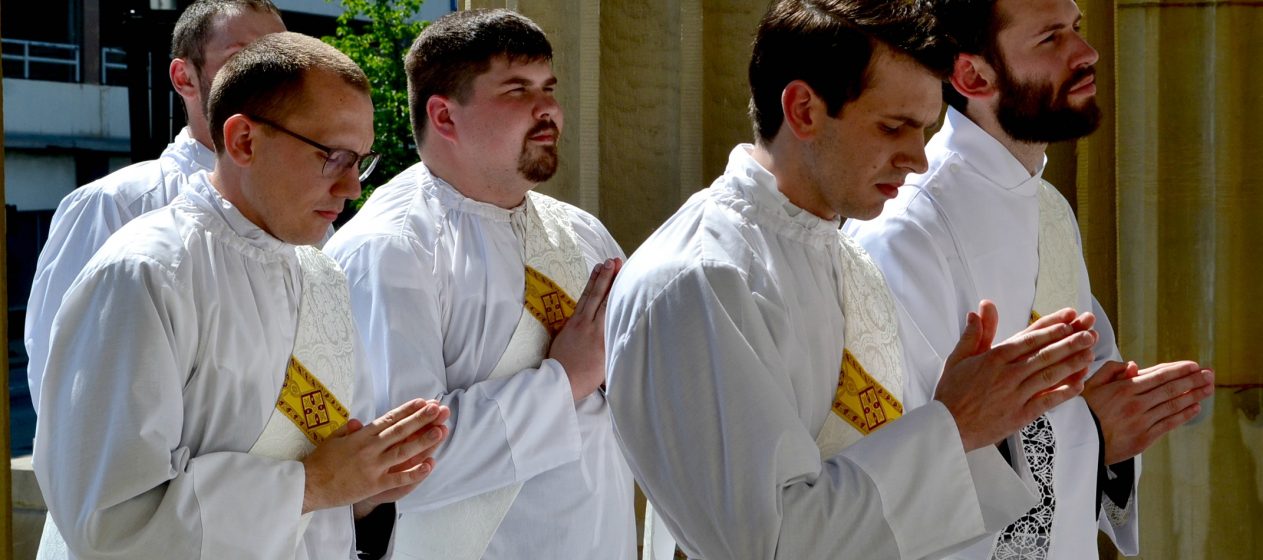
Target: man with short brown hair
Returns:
[[207, 33], [470, 286], [205, 373], [755, 366]]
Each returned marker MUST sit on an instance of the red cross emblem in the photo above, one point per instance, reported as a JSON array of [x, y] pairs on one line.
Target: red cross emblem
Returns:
[[553, 312], [873, 414], [314, 409]]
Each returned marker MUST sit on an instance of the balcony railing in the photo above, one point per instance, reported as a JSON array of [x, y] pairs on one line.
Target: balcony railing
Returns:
[[37, 60], [59, 62], [113, 66]]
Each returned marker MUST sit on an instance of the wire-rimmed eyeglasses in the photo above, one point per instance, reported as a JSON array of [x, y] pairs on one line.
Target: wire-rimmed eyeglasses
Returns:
[[337, 160]]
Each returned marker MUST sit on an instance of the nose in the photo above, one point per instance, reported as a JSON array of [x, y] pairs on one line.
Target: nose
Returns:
[[1085, 54], [911, 157], [348, 186], [547, 108]]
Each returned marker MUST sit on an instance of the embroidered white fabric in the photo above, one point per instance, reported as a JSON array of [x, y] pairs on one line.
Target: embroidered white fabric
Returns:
[[871, 334]]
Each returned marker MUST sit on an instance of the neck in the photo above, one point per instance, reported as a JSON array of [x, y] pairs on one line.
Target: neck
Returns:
[[1029, 154], [475, 182], [229, 182], [791, 178]]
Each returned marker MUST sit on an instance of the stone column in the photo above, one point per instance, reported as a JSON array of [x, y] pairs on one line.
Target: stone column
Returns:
[[1188, 197]]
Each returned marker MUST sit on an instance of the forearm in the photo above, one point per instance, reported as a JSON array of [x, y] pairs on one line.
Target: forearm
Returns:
[[503, 431]]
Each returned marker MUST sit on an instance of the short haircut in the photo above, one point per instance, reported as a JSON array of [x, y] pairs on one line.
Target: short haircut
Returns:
[[829, 44], [458, 47], [265, 78], [968, 26], [197, 22]]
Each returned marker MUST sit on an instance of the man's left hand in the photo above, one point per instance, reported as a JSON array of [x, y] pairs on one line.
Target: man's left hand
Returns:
[[1136, 407]]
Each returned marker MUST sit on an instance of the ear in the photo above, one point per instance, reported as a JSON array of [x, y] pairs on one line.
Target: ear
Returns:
[[239, 137], [184, 79], [438, 109], [973, 77], [803, 109]]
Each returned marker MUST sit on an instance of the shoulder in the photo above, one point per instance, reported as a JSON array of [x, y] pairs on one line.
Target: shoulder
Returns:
[[704, 247], [587, 227], [397, 218], [158, 243], [120, 189]]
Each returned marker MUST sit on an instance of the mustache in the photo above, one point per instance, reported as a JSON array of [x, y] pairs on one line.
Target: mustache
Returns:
[[544, 126]]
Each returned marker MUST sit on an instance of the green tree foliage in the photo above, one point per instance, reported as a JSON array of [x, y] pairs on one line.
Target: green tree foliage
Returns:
[[376, 34]]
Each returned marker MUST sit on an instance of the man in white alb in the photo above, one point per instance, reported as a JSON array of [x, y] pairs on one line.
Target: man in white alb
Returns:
[[207, 33], [204, 369], [755, 368], [469, 287], [982, 223]]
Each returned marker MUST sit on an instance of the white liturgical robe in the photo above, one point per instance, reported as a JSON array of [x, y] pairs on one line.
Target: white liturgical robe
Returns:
[[169, 353], [436, 283], [86, 218], [968, 229], [724, 345]]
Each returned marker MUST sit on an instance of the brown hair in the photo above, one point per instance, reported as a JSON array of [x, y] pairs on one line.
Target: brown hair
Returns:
[[197, 22], [829, 44], [265, 78], [455, 49]]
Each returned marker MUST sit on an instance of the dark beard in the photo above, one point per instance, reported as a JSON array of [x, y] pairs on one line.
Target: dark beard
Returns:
[[1031, 112], [538, 163]]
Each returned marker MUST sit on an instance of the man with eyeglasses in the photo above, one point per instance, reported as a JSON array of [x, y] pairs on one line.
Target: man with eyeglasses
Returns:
[[205, 372], [207, 33], [468, 285]]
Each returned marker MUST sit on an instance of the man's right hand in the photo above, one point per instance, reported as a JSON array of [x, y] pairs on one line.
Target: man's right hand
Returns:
[[580, 346], [358, 462], [994, 392]]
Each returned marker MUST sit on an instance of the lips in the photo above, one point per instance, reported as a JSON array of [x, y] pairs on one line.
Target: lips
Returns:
[[1083, 81], [545, 131], [330, 215], [889, 190]]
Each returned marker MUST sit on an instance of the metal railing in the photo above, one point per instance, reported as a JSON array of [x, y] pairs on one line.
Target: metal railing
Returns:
[[113, 59], [27, 53]]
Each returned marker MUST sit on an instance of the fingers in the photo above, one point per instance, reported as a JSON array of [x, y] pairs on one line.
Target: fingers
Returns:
[[600, 312], [968, 344], [1054, 363], [581, 306], [1084, 322], [1109, 372], [989, 321], [1049, 398], [417, 447], [1178, 393], [1063, 316], [1030, 341], [598, 288], [409, 425]]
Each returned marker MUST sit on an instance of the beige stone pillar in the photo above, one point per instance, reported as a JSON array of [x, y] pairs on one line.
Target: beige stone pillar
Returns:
[[1188, 199]]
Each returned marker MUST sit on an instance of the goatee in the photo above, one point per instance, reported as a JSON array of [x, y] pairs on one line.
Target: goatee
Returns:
[[538, 163]]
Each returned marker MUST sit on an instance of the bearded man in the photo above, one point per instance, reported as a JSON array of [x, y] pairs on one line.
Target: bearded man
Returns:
[[982, 223]]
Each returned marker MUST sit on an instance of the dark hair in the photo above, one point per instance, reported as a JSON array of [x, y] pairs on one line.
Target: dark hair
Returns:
[[193, 29], [265, 77], [968, 26], [829, 44], [455, 49]]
